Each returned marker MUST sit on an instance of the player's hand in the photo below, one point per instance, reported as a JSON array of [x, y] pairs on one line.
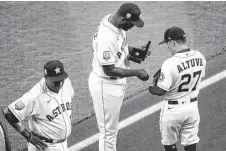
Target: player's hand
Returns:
[[142, 74], [36, 141], [148, 52]]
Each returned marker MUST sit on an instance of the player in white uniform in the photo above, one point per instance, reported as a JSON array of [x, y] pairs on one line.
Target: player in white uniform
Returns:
[[107, 82], [179, 81], [4, 139], [47, 106]]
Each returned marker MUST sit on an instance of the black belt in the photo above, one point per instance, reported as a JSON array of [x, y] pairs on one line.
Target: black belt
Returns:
[[176, 102], [54, 141], [47, 140], [115, 78], [112, 78]]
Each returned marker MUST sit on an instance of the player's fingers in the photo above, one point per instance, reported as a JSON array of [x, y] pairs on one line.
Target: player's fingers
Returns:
[[148, 55], [38, 147], [41, 148], [41, 145], [143, 47], [44, 145]]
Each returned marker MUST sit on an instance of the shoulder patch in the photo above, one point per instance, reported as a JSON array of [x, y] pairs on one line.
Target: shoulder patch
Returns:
[[161, 77], [106, 55], [19, 105]]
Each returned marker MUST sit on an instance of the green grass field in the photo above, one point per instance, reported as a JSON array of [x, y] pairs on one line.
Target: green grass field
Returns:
[[32, 33]]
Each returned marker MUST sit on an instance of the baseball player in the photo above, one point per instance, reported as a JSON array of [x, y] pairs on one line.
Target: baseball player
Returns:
[[179, 80], [4, 140], [107, 81], [47, 106]]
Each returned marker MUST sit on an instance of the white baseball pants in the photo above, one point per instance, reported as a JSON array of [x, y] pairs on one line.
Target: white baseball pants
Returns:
[[51, 147], [107, 100], [179, 122]]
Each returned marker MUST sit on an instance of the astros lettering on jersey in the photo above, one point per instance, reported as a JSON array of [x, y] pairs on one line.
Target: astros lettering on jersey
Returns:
[[53, 110], [111, 49]]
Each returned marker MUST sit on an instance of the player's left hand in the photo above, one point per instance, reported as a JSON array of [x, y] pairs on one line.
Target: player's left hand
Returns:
[[148, 52], [36, 141]]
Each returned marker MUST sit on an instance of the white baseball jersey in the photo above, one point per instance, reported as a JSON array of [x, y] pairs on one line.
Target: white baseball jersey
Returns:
[[2, 138], [48, 113], [181, 75], [109, 47]]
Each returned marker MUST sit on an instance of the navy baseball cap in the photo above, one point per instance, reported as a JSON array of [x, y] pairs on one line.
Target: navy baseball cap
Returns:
[[132, 12], [54, 70], [173, 33]]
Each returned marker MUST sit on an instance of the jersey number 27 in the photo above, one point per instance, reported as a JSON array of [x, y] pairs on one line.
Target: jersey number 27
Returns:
[[187, 79]]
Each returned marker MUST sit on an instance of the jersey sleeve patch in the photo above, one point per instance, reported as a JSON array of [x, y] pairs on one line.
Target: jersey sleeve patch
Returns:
[[19, 105], [106, 55], [161, 77]]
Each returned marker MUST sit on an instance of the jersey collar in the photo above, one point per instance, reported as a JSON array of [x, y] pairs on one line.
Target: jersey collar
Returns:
[[184, 50], [110, 25], [185, 53], [49, 91]]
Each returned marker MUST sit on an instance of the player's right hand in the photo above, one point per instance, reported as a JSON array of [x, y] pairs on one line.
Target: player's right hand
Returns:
[[142, 74], [37, 142]]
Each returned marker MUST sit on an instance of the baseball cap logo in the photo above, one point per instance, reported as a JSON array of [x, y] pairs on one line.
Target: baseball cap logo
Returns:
[[128, 15], [54, 70], [57, 70]]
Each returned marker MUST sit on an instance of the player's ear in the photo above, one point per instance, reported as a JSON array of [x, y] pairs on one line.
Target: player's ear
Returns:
[[123, 20], [46, 80], [174, 43]]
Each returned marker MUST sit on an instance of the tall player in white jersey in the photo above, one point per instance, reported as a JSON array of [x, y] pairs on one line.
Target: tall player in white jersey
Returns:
[[4, 138], [47, 106], [107, 81], [179, 81]]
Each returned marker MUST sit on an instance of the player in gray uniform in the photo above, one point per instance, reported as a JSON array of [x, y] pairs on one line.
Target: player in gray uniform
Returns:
[[179, 80], [47, 106]]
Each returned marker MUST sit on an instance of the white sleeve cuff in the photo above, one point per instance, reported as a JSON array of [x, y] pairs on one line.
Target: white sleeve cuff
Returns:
[[162, 87]]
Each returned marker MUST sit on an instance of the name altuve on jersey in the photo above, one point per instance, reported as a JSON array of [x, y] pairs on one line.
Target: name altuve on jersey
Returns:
[[190, 63], [59, 110]]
